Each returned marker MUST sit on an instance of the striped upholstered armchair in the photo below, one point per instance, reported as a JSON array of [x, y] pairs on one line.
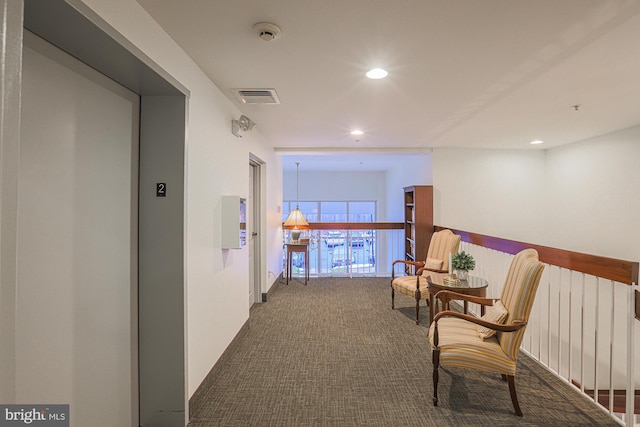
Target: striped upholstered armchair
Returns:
[[442, 244], [490, 343]]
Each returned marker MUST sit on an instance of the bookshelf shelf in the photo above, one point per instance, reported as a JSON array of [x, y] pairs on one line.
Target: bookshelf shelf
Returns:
[[418, 222]]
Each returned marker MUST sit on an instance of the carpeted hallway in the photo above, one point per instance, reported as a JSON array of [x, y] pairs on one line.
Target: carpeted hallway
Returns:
[[333, 353]]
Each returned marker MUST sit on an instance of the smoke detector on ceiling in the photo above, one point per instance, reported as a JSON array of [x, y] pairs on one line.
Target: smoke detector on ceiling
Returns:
[[267, 31]]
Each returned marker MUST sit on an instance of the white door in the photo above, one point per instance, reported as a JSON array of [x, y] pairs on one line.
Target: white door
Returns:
[[253, 231], [250, 236], [77, 226]]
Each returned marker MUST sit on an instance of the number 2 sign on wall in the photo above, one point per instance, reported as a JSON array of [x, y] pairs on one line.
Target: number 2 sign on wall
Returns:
[[161, 189]]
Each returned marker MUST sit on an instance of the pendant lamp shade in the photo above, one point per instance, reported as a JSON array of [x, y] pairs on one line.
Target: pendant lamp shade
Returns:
[[296, 220]]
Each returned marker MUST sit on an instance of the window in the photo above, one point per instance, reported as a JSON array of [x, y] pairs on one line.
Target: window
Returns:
[[323, 211], [362, 212], [337, 252], [333, 211]]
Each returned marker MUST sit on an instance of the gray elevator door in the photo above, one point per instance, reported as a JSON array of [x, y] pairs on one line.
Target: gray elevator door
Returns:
[[77, 238]]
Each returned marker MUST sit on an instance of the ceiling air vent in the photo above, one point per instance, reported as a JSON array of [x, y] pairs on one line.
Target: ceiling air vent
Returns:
[[257, 96]]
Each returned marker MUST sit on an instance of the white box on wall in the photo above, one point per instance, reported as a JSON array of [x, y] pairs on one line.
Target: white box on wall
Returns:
[[234, 222]]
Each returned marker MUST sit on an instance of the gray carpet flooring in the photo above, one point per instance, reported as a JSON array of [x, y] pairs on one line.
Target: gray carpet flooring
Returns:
[[334, 353]]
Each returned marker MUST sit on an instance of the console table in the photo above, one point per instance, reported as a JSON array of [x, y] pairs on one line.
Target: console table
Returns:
[[300, 248]]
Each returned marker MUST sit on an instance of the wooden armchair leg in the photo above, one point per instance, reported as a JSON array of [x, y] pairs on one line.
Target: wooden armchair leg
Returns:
[[392, 299], [417, 295], [436, 362], [514, 398]]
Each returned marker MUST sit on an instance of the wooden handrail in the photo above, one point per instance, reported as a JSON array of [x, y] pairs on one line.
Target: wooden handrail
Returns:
[[608, 268], [356, 225]]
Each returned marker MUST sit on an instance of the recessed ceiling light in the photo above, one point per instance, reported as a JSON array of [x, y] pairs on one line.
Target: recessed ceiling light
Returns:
[[377, 73], [357, 132], [536, 142]]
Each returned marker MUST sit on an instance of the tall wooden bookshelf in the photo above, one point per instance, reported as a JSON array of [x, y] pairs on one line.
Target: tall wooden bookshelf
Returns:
[[418, 222]]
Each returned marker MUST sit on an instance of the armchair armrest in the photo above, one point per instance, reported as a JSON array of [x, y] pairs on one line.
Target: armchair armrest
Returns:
[[406, 262], [512, 327]]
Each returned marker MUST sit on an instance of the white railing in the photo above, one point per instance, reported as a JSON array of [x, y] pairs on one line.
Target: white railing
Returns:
[[350, 253], [582, 328]]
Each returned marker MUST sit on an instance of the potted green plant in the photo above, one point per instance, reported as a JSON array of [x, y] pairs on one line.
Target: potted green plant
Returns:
[[463, 262]]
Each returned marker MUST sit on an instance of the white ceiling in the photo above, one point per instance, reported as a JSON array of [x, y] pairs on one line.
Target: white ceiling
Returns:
[[463, 73]]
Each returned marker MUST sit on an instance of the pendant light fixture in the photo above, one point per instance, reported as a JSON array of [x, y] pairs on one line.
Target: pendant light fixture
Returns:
[[296, 221]]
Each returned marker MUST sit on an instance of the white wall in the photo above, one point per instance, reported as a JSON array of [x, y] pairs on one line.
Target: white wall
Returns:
[[414, 171], [217, 164], [494, 192], [336, 186], [594, 196], [580, 197]]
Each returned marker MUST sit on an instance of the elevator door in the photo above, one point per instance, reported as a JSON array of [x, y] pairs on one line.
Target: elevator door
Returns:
[[77, 237]]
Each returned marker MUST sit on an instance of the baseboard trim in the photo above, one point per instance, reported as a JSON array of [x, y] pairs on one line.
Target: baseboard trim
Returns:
[[276, 283]]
